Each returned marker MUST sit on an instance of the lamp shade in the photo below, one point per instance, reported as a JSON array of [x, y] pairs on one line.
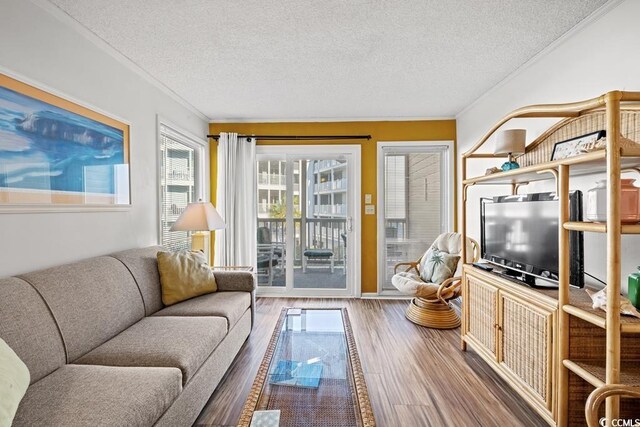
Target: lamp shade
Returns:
[[511, 141], [199, 216]]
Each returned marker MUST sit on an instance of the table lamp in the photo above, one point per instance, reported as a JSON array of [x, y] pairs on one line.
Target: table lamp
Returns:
[[200, 217], [510, 141]]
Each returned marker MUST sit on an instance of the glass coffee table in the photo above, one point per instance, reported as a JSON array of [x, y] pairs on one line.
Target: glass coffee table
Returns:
[[310, 374]]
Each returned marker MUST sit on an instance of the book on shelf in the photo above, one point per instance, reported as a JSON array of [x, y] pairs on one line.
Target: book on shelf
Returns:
[[296, 374]]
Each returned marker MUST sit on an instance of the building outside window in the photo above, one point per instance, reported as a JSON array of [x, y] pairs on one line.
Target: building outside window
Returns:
[[325, 207]]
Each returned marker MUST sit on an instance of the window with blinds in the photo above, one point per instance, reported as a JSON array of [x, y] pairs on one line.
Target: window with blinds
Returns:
[[179, 184]]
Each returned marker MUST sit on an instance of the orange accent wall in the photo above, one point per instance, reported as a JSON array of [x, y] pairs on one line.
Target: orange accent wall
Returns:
[[419, 130]]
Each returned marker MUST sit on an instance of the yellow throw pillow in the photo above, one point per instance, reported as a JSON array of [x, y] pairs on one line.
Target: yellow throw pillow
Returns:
[[14, 381], [184, 275]]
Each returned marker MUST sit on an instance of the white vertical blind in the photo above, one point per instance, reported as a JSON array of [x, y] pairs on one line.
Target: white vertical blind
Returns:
[[178, 185]]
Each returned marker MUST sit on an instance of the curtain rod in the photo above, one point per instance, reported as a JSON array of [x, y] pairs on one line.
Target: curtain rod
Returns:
[[297, 137]]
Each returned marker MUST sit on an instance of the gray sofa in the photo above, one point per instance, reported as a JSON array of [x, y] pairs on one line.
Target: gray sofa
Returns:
[[103, 350]]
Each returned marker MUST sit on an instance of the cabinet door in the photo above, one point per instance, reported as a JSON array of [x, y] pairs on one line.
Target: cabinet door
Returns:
[[526, 341], [482, 317]]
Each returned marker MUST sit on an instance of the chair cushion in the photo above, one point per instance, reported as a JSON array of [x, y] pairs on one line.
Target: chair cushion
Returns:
[[230, 305], [77, 395], [437, 266], [184, 275], [318, 253], [162, 341], [451, 243], [411, 284], [14, 381], [448, 242]]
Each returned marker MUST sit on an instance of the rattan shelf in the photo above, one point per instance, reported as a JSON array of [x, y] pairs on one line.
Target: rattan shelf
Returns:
[[597, 317], [600, 227], [618, 114], [594, 372], [585, 164]]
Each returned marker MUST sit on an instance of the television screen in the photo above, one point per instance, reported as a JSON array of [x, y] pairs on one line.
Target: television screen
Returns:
[[521, 233]]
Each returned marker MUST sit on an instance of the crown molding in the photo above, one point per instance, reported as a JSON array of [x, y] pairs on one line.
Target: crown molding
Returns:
[[74, 24], [587, 21], [332, 119]]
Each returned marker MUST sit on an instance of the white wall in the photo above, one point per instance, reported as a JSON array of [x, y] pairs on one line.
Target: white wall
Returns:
[[45, 48], [604, 55]]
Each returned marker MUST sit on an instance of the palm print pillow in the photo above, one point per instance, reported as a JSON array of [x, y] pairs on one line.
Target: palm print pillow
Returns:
[[437, 266]]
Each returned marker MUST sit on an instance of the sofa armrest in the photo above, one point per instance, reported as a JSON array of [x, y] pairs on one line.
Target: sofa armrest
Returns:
[[235, 281]]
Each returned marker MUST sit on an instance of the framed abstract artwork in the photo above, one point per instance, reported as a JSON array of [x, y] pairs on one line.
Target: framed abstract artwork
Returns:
[[57, 154], [576, 146]]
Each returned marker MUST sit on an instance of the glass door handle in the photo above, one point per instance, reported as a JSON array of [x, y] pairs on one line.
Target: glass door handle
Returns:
[[349, 224]]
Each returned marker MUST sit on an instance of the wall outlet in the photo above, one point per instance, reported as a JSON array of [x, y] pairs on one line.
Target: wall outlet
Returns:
[[367, 199], [369, 209]]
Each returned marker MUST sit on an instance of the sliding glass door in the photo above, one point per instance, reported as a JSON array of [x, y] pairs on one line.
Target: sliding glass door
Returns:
[[306, 211], [415, 202]]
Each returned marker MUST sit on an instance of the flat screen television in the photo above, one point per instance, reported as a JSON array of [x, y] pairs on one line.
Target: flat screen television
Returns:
[[520, 233]]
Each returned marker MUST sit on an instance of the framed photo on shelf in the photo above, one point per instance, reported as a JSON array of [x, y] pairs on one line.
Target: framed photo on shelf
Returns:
[[56, 154], [576, 146]]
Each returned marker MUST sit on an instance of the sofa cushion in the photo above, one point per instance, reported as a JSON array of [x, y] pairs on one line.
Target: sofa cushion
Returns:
[[184, 275], [27, 326], [143, 265], [14, 381], [91, 300], [77, 395], [178, 342], [230, 305], [195, 395]]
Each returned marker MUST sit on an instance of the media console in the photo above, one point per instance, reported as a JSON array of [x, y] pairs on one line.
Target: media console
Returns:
[[512, 327], [515, 329]]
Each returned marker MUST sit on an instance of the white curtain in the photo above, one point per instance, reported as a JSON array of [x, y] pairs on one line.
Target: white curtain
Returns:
[[236, 201]]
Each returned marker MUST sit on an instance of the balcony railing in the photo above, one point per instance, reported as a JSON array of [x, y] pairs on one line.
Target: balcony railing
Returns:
[[330, 210], [326, 164], [271, 179], [337, 184], [321, 233], [396, 228]]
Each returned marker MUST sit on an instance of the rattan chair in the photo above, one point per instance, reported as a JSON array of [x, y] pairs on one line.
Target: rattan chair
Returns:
[[431, 306], [598, 396]]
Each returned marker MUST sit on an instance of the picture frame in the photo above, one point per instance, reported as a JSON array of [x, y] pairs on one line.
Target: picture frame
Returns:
[[58, 154], [576, 146]]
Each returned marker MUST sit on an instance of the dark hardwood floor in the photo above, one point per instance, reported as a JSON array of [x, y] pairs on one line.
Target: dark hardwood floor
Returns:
[[416, 376]]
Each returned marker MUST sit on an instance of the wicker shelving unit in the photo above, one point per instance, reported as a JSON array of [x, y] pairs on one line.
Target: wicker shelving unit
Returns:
[[618, 113]]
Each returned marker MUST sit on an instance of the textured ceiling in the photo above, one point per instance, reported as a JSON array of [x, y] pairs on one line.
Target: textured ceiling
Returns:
[[332, 59]]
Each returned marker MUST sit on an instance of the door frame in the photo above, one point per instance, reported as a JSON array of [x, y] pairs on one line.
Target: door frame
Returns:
[[319, 151], [448, 208]]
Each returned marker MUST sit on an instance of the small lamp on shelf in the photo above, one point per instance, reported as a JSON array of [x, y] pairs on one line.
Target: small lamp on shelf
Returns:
[[200, 217], [510, 141]]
